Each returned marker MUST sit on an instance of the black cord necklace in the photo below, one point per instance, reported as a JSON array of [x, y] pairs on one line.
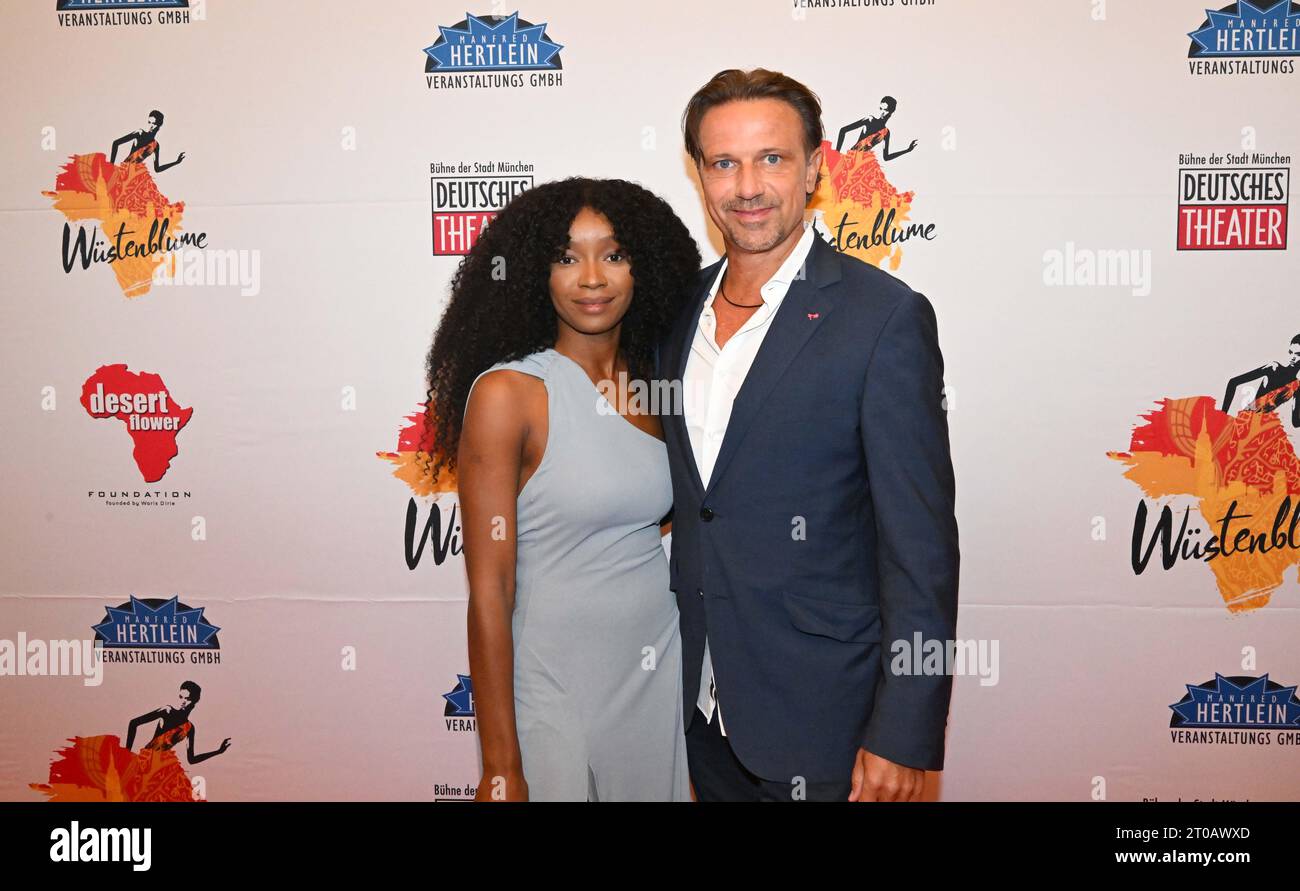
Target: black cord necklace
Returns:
[[734, 303]]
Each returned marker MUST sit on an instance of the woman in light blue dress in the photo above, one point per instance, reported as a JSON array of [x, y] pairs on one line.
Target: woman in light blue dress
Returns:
[[538, 381]]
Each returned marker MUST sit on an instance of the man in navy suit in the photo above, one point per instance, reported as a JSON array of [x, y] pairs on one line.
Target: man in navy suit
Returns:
[[813, 517]]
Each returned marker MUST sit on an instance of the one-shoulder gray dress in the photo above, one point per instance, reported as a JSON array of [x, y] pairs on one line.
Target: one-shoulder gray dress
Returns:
[[598, 665]]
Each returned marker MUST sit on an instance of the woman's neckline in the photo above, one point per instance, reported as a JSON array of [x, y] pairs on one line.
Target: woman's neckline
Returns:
[[596, 390]]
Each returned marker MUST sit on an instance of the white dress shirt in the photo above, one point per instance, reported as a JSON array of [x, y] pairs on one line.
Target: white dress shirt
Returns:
[[710, 383]]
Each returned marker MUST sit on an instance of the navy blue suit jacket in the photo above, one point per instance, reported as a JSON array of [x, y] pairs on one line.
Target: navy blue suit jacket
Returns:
[[827, 531]]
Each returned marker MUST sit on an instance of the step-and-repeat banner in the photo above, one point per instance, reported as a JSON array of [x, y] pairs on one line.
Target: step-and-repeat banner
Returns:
[[229, 228]]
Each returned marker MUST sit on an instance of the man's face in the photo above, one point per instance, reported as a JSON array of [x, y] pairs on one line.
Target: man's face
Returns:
[[754, 172]]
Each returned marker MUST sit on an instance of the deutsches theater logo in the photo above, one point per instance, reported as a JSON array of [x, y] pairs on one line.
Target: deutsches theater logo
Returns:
[[1249, 37], [493, 51], [1233, 201], [1237, 710], [467, 196]]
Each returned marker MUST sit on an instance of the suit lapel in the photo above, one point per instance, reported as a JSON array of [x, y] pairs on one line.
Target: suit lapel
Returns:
[[789, 330], [683, 337]]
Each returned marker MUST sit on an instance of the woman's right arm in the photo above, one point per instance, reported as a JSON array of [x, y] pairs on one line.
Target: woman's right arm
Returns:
[[488, 464]]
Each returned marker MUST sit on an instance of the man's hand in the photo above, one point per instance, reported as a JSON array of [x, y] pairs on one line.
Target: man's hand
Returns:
[[879, 779]]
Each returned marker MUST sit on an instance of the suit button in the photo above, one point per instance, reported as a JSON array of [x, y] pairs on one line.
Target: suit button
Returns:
[[701, 592], [706, 514]]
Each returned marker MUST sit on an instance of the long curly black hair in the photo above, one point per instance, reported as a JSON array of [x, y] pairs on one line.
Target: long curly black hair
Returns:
[[500, 307]]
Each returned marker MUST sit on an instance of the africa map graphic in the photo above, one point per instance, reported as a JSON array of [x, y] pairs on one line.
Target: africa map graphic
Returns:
[[1241, 466]]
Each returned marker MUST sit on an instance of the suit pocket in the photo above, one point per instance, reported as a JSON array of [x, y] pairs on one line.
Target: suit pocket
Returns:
[[848, 622]]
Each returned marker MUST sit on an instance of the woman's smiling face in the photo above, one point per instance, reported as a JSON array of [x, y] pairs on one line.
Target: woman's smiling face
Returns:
[[591, 281]]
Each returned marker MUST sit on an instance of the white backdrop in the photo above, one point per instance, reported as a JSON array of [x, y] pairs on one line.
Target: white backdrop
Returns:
[[309, 131]]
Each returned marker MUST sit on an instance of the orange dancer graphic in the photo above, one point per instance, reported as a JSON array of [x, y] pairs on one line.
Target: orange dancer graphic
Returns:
[[1243, 471], [854, 187], [1278, 384], [99, 768], [123, 197]]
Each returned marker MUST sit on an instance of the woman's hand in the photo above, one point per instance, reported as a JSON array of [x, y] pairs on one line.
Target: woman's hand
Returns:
[[507, 785]]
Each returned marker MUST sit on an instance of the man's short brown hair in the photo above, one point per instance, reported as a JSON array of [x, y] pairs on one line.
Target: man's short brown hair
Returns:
[[758, 83]]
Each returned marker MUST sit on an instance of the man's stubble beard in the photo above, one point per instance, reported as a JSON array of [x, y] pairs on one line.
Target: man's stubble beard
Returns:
[[745, 239]]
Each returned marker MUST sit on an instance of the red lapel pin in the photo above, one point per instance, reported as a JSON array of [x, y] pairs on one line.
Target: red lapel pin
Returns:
[[813, 315]]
